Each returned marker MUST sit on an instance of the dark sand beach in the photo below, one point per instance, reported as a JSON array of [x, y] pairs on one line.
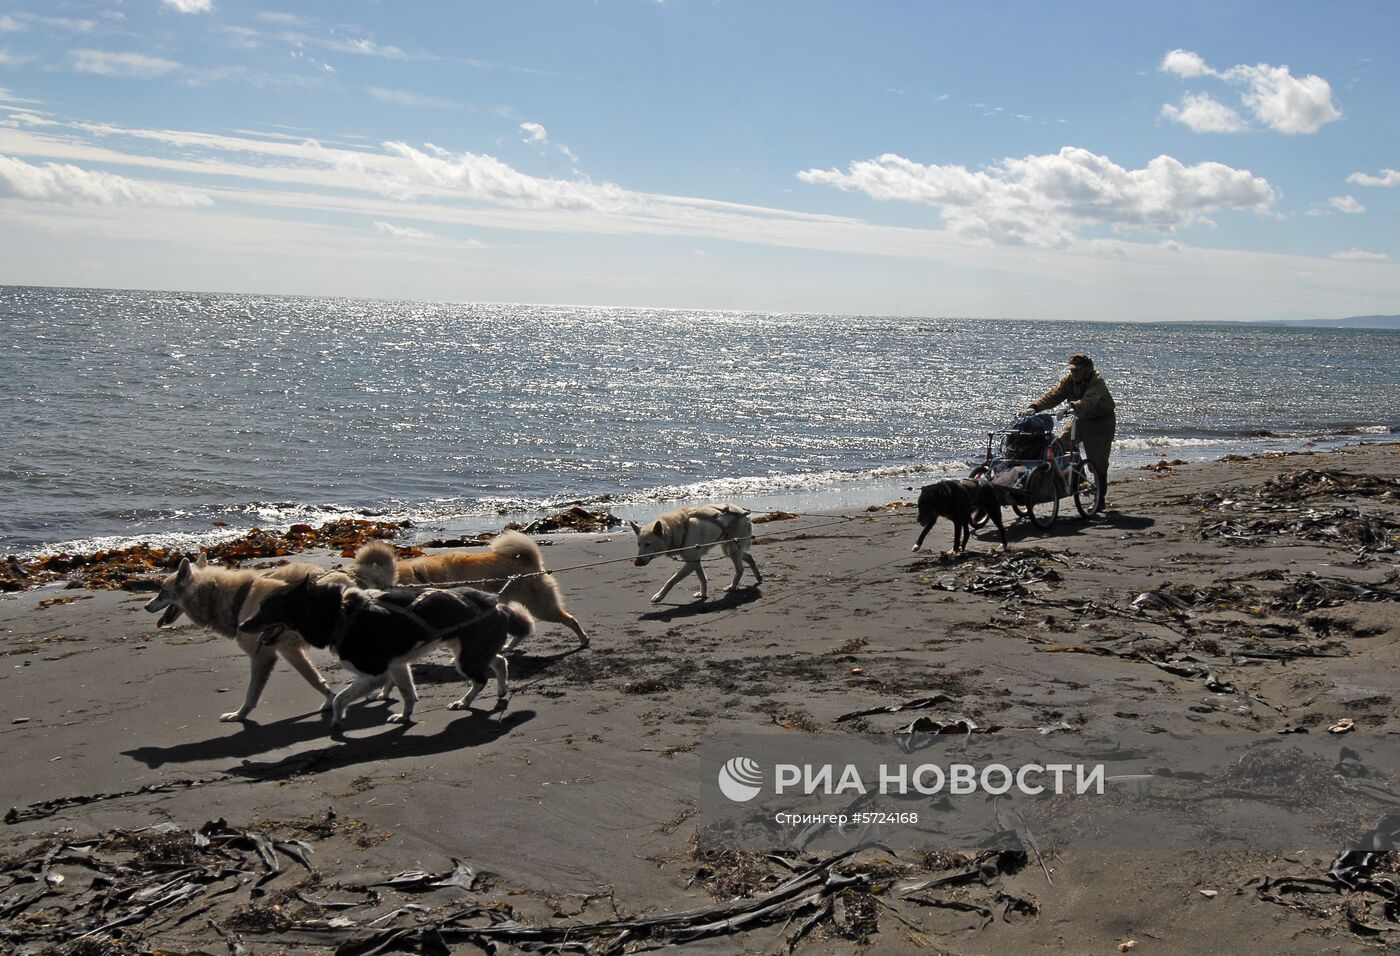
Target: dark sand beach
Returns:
[[576, 805]]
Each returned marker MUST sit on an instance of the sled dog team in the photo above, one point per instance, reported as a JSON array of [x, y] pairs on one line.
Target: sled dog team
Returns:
[[382, 613]]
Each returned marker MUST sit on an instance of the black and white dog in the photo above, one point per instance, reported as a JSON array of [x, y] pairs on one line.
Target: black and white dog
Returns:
[[959, 501], [380, 633]]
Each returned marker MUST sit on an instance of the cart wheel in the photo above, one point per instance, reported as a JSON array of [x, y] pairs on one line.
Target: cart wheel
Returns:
[[979, 515], [1042, 497], [1086, 490]]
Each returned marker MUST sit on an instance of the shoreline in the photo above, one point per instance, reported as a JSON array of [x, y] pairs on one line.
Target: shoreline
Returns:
[[833, 492]]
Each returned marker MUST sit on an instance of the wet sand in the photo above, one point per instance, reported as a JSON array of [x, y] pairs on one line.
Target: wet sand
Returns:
[[575, 804]]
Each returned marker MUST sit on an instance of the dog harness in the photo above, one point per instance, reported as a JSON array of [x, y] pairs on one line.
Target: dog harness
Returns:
[[239, 598]]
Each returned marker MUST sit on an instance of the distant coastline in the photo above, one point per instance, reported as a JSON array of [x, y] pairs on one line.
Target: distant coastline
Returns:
[[1351, 322]]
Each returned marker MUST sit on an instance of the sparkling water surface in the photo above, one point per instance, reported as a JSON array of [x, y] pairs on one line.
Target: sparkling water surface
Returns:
[[150, 415]]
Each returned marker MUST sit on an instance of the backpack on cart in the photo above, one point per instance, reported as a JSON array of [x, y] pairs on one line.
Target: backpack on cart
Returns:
[[1030, 437]]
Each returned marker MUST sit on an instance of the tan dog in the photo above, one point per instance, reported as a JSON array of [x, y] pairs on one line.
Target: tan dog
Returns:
[[687, 533], [219, 598], [511, 553]]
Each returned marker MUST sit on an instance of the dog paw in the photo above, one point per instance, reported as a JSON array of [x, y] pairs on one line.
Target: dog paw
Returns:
[[656, 599], [915, 549], [232, 716], [400, 718], [459, 704], [698, 595]]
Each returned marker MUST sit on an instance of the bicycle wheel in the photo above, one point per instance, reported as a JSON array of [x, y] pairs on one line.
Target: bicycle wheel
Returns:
[[1086, 489], [979, 515], [1042, 496]]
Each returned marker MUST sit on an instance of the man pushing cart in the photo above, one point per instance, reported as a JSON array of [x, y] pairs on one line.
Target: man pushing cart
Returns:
[[1087, 393]]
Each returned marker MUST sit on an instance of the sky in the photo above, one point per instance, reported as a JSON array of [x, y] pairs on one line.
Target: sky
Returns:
[[1104, 161]]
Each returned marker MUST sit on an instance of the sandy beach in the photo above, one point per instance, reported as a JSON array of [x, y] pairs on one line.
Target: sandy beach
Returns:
[[575, 806]]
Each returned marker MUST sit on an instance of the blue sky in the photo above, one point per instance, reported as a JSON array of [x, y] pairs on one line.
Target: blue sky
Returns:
[[1103, 161]]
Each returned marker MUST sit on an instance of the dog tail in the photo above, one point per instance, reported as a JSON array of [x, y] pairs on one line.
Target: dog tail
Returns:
[[517, 547], [375, 566], [519, 623]]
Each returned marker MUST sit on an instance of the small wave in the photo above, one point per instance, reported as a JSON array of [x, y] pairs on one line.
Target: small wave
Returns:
[[1161, 443]]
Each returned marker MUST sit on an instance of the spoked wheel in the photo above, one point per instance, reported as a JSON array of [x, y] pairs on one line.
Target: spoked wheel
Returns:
[[1042, 496], [979, 515], [1086, 490]]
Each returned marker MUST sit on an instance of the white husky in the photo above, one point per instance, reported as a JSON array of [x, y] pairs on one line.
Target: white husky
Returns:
[[687, 533]]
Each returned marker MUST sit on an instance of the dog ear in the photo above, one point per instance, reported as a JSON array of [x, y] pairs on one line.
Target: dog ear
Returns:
[[636, 528], [656, 528], [203, 561], [183, 574]]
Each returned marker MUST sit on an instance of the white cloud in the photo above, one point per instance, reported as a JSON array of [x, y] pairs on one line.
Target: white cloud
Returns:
[[365, 47], [243, 38], [104, 63], [484, 177], [1204, 114], [1278, 99], [400, 232], [1284, 102], [405, 98], [533, 133], [10, 25], [66, 184], [1360, 255], [1185, 63], [71, 24], [1388, 177], [25, 118], [1346, 204], [191, 6], [1042, 200]]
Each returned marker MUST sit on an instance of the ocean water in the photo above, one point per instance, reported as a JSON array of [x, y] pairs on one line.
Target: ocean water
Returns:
[[148, 416]]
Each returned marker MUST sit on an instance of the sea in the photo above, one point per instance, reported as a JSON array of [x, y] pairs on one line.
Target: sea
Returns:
[[180, 419]]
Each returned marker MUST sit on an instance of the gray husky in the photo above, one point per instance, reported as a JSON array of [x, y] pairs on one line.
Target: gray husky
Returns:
[[687, 533]]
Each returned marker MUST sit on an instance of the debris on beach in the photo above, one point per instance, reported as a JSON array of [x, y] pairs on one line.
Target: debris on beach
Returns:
[[1360, 890], [1163, 465], [344, 536], [464, 541], [1348, 527], [146, 889], [774, 516], [1279, 506], [138, 568], [999, 574], [575, 518]]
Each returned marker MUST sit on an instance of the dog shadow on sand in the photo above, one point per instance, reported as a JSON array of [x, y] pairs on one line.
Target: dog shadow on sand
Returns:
[[730, 600], [472, 728], [1068, 526]]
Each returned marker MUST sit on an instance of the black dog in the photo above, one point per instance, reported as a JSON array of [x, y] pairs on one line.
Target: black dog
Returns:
[[958, 501], [380, 633]]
